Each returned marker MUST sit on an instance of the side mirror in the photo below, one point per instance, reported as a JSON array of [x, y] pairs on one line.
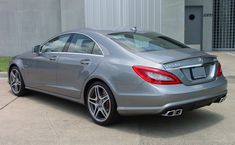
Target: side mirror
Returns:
[[36, 49]]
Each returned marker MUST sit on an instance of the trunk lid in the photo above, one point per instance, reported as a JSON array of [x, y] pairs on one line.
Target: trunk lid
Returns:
[[190, 66]]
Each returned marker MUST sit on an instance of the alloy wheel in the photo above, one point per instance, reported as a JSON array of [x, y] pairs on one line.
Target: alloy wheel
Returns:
[[15, 81], [99, 103]]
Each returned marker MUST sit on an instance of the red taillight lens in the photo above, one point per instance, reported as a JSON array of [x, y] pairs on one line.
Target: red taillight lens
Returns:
[[156, 76], [219, 70]]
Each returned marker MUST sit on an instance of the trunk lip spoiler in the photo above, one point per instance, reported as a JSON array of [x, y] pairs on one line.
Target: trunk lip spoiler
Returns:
[[198, 61]]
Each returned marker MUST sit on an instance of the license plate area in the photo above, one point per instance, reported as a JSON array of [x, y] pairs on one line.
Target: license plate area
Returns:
[[198, 73]]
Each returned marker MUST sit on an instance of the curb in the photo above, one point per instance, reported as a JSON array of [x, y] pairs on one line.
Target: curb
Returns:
[[3, 74]]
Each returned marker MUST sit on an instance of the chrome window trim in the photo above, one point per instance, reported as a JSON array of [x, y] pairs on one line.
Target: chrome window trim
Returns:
[[76, 53]]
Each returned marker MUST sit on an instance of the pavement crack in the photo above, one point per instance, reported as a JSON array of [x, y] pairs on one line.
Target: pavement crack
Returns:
[[8, 104]]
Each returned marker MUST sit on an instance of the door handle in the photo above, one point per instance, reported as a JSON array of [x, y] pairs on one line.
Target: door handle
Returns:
[[85, 61], [53, 58]]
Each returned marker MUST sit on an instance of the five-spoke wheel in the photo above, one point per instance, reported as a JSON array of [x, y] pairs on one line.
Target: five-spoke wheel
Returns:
[[16, 82], [101, 104]]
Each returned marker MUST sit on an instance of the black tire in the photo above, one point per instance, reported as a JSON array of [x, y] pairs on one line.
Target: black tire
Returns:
[[22, 90], [113, 115]]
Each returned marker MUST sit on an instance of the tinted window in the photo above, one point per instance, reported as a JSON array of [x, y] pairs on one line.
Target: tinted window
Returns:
[[81, 44], [96, 50], [142, 42], [56, 45]]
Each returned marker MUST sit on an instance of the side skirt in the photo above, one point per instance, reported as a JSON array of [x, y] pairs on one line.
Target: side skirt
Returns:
[[57, 95]]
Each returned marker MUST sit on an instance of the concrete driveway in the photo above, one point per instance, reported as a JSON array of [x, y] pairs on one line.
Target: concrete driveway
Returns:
[[40, 119]]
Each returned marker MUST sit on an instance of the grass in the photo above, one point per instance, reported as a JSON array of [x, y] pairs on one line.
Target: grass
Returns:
[[4, 63]]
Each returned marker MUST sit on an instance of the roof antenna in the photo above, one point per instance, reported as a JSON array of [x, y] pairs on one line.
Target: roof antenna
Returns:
[[134, 29]]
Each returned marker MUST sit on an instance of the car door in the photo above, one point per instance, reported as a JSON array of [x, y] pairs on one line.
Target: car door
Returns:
[[43, 74], [74, 66]]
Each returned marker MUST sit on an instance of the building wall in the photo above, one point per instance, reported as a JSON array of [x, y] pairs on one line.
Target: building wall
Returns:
[[25, 23], [115, 14], [207, 21], [164, 16], [72, 14], [172, 18]]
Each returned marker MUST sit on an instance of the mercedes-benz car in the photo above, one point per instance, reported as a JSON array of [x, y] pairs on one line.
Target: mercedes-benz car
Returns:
[[120, 73]]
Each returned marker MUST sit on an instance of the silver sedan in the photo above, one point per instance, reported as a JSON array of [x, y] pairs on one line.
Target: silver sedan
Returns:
[[120, 73]]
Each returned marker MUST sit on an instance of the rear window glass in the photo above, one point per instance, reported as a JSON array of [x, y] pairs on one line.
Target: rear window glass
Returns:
[[143, 42]]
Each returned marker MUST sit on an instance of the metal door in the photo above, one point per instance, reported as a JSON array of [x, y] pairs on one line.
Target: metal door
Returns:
[[193, 25]]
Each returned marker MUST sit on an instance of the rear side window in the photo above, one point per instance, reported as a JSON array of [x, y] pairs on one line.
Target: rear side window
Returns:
[[83, 44], [56, 45], [143, 42], [96, 50]]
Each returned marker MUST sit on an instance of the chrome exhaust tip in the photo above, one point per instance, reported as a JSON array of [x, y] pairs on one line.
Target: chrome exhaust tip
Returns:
[[172, 113], [178, 112], [222, 99]]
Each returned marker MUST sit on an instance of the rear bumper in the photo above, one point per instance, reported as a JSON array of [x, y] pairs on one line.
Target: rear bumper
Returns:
[[175, 97], [196, 104]]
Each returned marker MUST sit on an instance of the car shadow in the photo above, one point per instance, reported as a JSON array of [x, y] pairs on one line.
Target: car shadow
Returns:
[[149, 125], [166, 127], [59, 104]]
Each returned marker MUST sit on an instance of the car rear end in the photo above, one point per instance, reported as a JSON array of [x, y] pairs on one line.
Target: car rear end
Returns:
[[202, 84], [188, 79], [171, 98], [167, 98]]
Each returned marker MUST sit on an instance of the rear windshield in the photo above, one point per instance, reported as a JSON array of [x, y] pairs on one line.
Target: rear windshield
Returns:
[[143, 42]]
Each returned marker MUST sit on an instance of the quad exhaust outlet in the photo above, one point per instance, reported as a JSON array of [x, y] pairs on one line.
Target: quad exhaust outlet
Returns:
[[172, 113]]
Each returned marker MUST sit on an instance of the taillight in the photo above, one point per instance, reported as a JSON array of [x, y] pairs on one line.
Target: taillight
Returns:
[[156, 76], [219, 70]]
